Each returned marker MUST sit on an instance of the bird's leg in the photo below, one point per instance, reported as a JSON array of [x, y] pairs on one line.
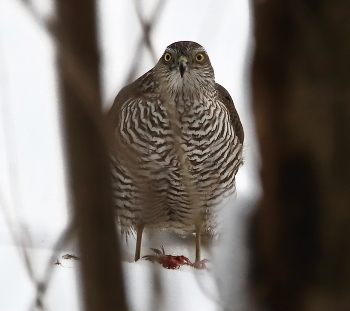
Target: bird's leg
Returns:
[[198, 243], [138, 241]]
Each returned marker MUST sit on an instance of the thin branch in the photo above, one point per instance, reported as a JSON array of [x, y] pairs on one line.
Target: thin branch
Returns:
[[17, 228], [76, 73], [145, 39]]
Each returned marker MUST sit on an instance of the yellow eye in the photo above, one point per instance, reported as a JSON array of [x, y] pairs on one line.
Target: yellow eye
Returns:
[[199, 57], [167, 57]]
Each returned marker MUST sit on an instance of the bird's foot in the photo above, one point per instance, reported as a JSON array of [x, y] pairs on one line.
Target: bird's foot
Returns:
[[174, 262]]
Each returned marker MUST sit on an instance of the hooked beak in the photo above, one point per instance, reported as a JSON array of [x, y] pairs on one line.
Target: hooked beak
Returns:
[[182, 65]]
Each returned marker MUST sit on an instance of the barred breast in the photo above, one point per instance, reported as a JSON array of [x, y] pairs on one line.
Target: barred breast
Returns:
[[148, 179]]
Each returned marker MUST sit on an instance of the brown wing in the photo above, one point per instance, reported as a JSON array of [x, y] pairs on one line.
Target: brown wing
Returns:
[[139, 89], [124, 95], [113, 138], [225, 97]]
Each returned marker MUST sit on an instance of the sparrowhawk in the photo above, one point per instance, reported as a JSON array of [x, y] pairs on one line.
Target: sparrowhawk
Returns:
[[177, 146]]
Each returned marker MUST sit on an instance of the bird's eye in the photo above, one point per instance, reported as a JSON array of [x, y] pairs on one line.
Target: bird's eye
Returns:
[[199, 57], [167, 57]]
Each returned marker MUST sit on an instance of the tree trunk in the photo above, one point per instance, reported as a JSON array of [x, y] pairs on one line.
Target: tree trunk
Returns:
[[301, 98], [88, 163]]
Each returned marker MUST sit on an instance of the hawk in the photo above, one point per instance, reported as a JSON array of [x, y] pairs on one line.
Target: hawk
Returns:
[[177, 145]]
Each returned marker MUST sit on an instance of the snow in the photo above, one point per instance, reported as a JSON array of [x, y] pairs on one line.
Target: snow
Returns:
[[162, 289]]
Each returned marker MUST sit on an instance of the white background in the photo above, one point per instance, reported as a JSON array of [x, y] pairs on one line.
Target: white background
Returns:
[[33, 195]]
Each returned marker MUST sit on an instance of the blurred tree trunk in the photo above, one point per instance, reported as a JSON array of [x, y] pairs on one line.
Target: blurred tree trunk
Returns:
[[87, 157], [301, 98]]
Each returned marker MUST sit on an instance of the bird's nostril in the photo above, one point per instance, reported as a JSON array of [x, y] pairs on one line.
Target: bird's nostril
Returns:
[[182, 68]]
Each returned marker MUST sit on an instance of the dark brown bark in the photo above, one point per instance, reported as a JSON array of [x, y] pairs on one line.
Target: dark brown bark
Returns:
[[301, 98], [87, 157]]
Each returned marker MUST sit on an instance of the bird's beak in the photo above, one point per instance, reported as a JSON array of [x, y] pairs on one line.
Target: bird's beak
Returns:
[[182, 65]]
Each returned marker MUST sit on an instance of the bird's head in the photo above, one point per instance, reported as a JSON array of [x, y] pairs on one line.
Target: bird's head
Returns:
[[185, 64]]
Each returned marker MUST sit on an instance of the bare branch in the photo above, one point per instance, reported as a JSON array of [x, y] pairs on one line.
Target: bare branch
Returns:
[[145, 40]]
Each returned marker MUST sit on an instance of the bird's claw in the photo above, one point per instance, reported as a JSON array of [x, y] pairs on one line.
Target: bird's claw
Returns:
[[157, 251]]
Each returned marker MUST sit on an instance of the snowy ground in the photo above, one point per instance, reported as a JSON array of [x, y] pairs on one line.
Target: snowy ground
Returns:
[[148, 285], [184, 289]]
